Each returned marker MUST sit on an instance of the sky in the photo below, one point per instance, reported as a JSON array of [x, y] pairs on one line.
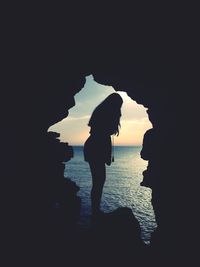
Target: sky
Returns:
[[74, 129]]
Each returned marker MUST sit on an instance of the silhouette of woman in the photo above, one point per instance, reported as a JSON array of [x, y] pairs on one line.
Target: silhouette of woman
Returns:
[[104, 122]]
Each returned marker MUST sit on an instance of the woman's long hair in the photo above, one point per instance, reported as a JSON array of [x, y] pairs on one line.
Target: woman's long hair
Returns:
[[106, 116]]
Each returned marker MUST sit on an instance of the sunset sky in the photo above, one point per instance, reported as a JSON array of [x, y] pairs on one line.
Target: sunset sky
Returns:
[[74, 129]]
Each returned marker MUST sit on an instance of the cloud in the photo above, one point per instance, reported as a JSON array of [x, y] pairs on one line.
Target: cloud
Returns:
[[142, 120], [70, 118]]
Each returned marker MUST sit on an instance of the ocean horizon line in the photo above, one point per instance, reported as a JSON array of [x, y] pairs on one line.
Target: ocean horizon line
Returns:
[[114, 145]]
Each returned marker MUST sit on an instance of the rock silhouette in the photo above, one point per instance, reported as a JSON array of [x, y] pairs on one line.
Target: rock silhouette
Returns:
[[154, 65]]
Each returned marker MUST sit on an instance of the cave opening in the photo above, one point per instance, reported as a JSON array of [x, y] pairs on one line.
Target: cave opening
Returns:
[[122, 187]]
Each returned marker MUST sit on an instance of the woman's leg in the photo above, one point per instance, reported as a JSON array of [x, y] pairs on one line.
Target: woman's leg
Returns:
[[98, 171]]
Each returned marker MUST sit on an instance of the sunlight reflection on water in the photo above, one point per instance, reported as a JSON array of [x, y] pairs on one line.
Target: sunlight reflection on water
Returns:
[[122, 187]]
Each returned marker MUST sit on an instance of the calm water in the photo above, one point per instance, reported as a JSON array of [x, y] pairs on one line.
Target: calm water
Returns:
[[122, 187]]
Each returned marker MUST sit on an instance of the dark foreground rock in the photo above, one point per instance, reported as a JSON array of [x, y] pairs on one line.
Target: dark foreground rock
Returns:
[[113, 239], [47, 62]]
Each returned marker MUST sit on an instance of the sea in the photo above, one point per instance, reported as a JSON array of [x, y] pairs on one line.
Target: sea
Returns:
[[122, 187]]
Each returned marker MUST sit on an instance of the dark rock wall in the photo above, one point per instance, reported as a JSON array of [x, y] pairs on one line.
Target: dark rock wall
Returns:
[[49, 66]]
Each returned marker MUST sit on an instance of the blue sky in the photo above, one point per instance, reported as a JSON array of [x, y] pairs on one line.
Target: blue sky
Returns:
[[74, 129]]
